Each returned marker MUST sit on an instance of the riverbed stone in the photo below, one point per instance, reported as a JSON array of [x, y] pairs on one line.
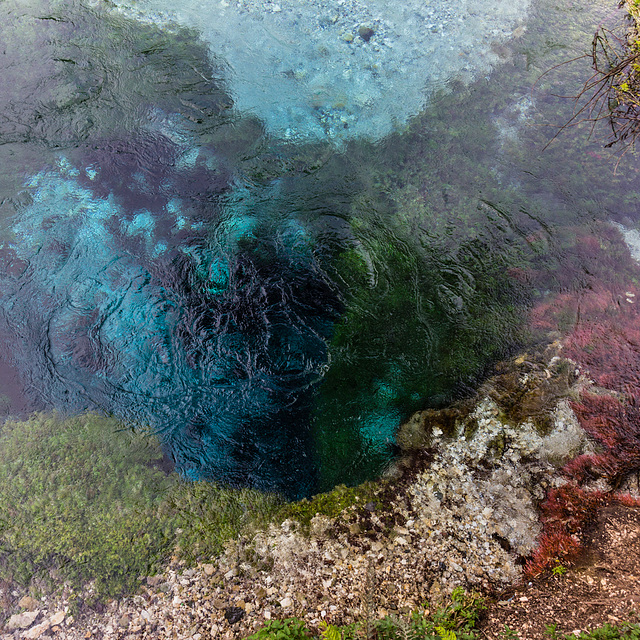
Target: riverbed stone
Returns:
[[37, 631], [57, 618], [366, 33], [28, 603], [22, 620]]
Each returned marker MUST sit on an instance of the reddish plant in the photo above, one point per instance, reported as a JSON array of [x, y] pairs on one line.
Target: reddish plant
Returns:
[[600, 318], [564, 514], [615, 425]]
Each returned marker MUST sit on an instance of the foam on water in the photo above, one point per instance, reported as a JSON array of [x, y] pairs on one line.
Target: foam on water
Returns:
[[342, 68]]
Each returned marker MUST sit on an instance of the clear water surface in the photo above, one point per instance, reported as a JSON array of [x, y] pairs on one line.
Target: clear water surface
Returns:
[[269, 231]]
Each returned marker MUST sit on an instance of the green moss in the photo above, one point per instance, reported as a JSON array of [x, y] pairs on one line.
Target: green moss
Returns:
[[329, 504], [82, 499], [210, 515], [79, 499]]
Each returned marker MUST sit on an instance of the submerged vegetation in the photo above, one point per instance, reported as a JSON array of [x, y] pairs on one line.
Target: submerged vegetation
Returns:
[[298, 303], [83, 500]]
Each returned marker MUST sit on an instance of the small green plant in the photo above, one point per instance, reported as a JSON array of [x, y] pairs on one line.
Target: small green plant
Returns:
[[626, 631], [330, 632], [288, 629], [454, 621], [461, 614], [551, 630], [391, 628], [446, 634], [509, 634], [558, 571]]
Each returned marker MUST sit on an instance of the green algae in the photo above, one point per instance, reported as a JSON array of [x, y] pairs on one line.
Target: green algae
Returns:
[[83, 500], [420, 336], [79, 501], [330, 504]]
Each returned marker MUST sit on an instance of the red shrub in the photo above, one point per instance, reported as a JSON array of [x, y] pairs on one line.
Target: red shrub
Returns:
[[599, 314], [615, 425], [563, 515]]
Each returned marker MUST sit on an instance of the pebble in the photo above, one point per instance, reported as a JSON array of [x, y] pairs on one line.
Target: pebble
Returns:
[[366, 33], [37, 631], [234, 614], [57, 618], [28, 603]]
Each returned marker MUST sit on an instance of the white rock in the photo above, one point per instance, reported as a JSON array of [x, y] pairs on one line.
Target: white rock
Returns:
[[57, 618], [145, 615], [22, 620], [37, 631]]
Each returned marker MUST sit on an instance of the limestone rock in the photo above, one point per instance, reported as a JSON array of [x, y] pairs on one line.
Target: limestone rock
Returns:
[[57, 618], [22, 620], [37, 631], [28, 603]]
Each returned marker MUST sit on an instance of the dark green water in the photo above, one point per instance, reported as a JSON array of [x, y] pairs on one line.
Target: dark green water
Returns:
[[275, 307]]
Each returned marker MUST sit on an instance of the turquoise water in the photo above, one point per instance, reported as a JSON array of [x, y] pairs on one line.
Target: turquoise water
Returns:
[[250, 256]]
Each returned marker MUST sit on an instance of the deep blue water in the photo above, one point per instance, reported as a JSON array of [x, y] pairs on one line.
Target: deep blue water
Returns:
[[272, 308]]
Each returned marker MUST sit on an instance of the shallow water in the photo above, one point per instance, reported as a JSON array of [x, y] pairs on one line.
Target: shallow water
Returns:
[[334, 69], [194, 240]]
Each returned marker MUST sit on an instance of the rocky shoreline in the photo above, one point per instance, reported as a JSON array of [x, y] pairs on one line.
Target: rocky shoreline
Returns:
[[459, 509]]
